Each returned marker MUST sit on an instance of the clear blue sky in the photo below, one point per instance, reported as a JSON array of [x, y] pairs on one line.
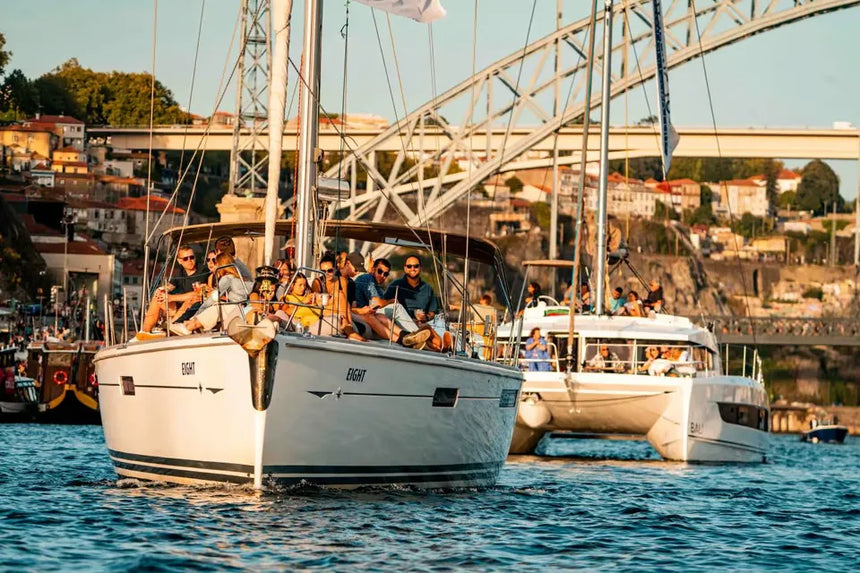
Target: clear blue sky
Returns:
[[804, 74]]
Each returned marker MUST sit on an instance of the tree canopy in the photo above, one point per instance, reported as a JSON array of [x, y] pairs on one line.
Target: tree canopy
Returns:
[[115, 98], [4, 55], [818, 189]]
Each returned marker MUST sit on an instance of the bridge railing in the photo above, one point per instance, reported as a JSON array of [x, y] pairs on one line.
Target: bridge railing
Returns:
[[762, 329]]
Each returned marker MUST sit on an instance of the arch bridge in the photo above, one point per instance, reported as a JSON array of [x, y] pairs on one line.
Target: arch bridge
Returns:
[[542, 84]]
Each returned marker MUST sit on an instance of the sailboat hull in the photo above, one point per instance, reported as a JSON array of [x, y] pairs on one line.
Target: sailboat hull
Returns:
[[341, 413], [700, 419]]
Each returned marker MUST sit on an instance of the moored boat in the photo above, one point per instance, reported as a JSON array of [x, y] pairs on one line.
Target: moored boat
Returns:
[[827, 430], [689, 408], [66, 381]]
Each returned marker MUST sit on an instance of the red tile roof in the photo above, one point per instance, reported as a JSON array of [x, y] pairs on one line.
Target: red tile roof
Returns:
[[35, 228], [685, 181], [27, 128], [139, 204], [133, 268], [67, 119], [74, 248], [68, 149], [70, 163]]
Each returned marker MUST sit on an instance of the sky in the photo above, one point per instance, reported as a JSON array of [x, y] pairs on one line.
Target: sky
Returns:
[[801, 75]]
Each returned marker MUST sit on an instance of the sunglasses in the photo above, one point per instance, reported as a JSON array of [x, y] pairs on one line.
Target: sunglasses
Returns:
[[327, 271], [210, 260], [382, 273], [189, 258], [412, 266]]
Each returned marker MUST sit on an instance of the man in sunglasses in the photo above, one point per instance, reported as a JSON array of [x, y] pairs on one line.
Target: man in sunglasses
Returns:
[[181, 296], [414, 295], [370, 286]]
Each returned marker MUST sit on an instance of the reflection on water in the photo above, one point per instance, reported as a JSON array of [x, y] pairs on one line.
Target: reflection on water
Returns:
[[597, 503]]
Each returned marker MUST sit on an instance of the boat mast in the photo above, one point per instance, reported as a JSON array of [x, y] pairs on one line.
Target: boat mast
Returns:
[[306, 162], [277, 103], [604, 156], [577, 235]]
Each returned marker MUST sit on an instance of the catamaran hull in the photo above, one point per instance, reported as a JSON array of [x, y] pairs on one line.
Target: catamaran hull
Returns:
[[341, 414], [682, 418]]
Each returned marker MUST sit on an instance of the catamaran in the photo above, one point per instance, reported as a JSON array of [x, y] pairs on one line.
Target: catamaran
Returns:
[[659, 376], [240, 405]]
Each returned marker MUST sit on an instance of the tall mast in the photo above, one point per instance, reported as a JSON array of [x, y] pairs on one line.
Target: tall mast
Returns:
[[309, 125], [577, 235], [604, 156], [277, 104]]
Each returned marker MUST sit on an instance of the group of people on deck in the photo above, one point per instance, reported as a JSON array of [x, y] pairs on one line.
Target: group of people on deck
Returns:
[[342, 298], [619, 303]]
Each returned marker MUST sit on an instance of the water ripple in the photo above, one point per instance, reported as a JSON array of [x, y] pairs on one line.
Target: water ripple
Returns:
[[596, 505]]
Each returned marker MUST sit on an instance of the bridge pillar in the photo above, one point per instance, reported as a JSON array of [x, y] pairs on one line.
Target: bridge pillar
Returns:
[[237, 209]]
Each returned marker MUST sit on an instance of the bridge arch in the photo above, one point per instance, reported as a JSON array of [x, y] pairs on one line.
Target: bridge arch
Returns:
[[494, 99]]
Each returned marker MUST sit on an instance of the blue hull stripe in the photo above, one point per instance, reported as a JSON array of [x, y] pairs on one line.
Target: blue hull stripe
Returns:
[[119, 459], [728, 444], [373, 479]]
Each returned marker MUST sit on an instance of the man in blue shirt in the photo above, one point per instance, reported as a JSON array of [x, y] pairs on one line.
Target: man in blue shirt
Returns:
[[414, 295], [616, 303], [368, 288]]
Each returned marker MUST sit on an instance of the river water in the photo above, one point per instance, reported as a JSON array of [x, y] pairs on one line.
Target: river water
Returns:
[[598, 504]]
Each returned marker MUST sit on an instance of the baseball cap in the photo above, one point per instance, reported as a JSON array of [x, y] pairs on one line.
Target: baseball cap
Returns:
[[357, 260]]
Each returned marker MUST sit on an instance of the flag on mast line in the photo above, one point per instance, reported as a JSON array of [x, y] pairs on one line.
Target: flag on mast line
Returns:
[[668, 136], [423, 11]]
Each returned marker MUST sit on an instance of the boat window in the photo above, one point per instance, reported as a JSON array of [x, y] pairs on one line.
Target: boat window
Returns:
[[618, 356], [60, 359], [645, 357], [744, 415]]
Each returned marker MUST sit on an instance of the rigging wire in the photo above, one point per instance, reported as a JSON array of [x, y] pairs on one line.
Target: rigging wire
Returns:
[[222, 89], [149, 162], [720, 155], [191, 92]]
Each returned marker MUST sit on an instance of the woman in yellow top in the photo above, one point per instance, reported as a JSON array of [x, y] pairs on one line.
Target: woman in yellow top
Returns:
[[300, 295]]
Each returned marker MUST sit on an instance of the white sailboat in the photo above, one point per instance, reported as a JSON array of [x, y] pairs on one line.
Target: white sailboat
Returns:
[[305, 408], [661, 377]]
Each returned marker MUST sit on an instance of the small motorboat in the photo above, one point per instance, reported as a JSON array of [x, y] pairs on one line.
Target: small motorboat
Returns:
[[827, 430]]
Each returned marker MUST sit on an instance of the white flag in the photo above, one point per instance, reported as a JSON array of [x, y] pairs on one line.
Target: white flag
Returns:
[[419, 10]]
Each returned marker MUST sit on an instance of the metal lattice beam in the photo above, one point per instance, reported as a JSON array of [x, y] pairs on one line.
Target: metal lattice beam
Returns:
[[249, 155], [491, 101]]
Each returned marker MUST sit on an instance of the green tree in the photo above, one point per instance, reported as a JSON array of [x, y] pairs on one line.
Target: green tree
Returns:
[[4, 55], [787, 200], [116, 98], [55, 98], [514, 184], [771, 173], [19, 95], [663, 212], [750, 226], [819, 188]]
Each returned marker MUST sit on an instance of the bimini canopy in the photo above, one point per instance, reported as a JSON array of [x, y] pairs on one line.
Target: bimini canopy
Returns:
[[453, 244], [552, 263]]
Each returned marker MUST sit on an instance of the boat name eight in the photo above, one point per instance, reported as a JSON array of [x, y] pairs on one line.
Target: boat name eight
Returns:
[[356, 374]]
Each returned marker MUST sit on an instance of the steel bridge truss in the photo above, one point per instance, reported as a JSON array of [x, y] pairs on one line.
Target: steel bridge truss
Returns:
[[249, 155], [531, 88]]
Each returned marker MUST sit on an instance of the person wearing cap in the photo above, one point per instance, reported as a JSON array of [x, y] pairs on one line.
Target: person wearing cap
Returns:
[[261, 301], [616, 302]]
